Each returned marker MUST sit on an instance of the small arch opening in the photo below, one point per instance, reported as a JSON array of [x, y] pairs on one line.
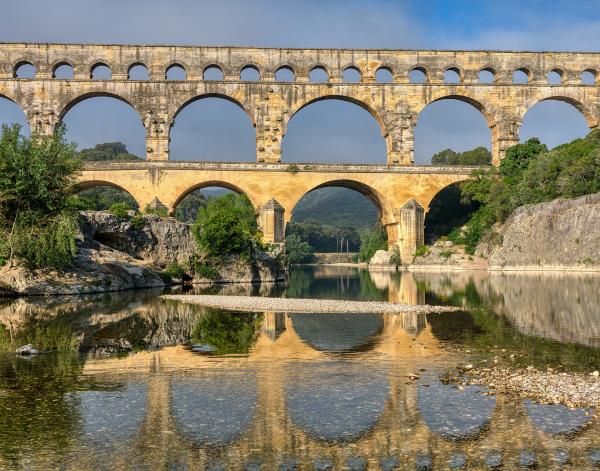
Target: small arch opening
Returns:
[[100, 72], [384, 75], [63, 71], [285, 74], [212, 72], [175, 72], [351, 75], [486, 76], [520, 76], [588, 77], [138, 72], [250, 73], [24, 70], [452, 75], [555, 77], [318, 75], [418, 75]]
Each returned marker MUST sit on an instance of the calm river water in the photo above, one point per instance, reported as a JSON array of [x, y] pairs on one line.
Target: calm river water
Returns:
[[207, 389]]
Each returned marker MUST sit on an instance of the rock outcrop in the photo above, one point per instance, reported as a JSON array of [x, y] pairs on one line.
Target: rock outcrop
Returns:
[[116, 254], [557, 235]]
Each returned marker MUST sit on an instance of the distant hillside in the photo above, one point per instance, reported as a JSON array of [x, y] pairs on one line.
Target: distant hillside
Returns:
[[339, 207], [108, 151]]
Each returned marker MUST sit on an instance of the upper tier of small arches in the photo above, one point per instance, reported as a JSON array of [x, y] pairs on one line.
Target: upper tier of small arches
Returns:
[[374, 71]]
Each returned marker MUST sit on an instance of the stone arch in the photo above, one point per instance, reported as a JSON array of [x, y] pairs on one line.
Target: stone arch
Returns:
[[484, 108], [219, 183], [458, 71], [100, 63], [526, 70], [371, 110], [323, 67], [547, 95], [419, 68], [86, 184], [60, 64], [22, 62], [137, 64], [285, 67], [489, 69], [362, 188], [251, 66], [179, 65], [556, 70], [213, 65], [72, 101], [384, 68], [22, 108], [178, 107], [352, 67]]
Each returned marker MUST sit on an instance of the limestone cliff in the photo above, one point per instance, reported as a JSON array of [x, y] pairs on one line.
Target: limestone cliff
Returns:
[[557, 235]]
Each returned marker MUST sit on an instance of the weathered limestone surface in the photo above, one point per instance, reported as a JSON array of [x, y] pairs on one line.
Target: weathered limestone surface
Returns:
[[558, 235], [271, 104]]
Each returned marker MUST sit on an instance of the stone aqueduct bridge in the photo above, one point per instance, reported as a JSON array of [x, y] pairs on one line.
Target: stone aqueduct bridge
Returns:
[[401, 190]]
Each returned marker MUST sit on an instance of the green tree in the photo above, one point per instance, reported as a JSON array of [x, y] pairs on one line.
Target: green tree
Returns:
[[37, 211], [227, 332], [227, 225], [477, 156], [371, 240], [297, 250], [108, 151]]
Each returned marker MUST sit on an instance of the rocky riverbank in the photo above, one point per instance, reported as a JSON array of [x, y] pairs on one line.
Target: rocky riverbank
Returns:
[[116, 254]]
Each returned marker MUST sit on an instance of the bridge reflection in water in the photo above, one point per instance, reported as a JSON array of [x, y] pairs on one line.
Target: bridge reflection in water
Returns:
[[322, 388], [297, 398]]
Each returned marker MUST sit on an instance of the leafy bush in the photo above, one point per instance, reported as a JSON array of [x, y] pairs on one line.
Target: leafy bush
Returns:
[[227, 225], [172, 271], [138, 222], [120, 210], [421, 251], [395, 258], [297, 250], [371, 240], [206, 270], [37, 210], [157, 210]]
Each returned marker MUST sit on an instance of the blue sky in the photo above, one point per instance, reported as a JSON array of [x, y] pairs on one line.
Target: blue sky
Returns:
[[326, 131]]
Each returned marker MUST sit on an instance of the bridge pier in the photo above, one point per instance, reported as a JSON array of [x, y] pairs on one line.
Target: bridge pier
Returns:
[[411, 230], [271, 222]]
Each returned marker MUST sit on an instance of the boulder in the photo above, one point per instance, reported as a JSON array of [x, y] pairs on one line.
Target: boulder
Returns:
[[381, 258]]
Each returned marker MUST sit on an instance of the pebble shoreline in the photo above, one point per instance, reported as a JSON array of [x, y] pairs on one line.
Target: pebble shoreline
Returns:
[[258, 303], [549, 387]]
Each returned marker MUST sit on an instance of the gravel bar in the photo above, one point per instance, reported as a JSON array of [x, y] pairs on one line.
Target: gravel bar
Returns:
[[259, 303]]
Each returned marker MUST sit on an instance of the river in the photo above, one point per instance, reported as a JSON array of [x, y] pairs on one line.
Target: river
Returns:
[[130, 381]]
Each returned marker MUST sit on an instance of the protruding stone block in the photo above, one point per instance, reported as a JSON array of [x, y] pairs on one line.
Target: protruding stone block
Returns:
[[271, 222]]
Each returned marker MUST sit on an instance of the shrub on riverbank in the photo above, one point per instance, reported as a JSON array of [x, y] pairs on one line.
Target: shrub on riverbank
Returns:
[[38, 214], [529, 174], [371, 240]]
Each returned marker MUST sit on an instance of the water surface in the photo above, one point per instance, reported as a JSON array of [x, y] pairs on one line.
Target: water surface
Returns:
[[135, 382]]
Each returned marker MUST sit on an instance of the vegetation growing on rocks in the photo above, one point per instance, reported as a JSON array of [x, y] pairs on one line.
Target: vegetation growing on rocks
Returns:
[[38, 215], [529, 174]]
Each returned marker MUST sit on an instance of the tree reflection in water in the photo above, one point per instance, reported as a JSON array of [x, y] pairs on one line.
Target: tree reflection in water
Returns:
[[227, 332]]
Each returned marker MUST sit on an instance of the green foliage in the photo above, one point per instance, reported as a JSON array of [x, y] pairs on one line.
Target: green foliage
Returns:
[[100, 198], [109, 151], [530, 174], [120, 210], [172, 271], [157, 210], [227, 225], [371, 240], [395, 258], [227, 332], [37, 219], [446, 212], [138, 222], [297, 250], [187, 209], [293, 169], [477, 156], [207, 270], [325, 238], [421, 251]]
